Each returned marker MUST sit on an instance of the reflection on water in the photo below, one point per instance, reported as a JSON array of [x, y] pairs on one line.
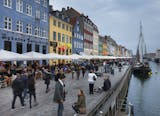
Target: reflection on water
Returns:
[[144, 94]]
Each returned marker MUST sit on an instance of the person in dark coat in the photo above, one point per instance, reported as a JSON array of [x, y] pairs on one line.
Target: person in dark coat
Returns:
[[47, 79], [119, 66], [32, 89], [24, 78], [77, 71], [59, 95], [83, 71], [17, 86], [106, 84]]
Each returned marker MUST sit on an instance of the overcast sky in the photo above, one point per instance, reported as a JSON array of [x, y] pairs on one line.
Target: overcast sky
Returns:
[[120, 19]]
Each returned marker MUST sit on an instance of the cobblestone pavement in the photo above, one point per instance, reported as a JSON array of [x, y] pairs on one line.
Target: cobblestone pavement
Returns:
[[46, 106]]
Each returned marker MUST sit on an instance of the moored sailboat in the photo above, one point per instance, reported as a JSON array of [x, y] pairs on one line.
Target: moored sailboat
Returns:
[[141, 67]]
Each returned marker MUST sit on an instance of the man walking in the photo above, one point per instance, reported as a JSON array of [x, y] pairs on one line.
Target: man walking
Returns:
[[59, 95], [17, 86]]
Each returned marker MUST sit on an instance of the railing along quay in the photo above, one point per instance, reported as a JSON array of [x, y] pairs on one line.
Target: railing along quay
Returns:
[[109, 99]]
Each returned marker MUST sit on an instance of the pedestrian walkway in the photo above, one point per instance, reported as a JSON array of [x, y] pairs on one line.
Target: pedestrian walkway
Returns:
[[46, 106]]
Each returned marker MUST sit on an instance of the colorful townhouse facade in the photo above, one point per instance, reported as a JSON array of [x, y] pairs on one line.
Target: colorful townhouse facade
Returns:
[[60, 35], [77, 40], [88, 35], [95, 39], [100, 45], [24, 25], [77, 32]]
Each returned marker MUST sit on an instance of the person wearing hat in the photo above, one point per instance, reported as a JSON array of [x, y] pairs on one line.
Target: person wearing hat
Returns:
[[59, 95]]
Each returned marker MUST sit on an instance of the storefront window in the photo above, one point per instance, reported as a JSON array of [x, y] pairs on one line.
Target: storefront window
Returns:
[[36, 48], [44, 49], [29, 47], [19, 48], [7, 45]]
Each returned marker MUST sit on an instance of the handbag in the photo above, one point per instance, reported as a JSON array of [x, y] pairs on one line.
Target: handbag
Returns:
[[94, 78]]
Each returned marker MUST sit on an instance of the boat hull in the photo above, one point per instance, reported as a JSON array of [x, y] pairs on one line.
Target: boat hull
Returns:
[[142, 72]]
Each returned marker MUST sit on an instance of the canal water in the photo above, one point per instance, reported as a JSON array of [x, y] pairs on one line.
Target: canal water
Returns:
[[144, 94]]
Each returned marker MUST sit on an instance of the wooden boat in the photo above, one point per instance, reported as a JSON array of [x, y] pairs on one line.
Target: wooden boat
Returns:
[[141, 67]]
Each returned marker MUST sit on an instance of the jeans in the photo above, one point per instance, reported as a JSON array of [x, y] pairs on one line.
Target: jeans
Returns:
[[25, 91], [60, 109]]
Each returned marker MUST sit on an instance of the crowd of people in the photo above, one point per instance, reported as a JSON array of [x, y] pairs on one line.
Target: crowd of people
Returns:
[[23, 79]]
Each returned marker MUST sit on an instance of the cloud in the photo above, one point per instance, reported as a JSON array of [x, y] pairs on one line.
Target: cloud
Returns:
[[120, 19]]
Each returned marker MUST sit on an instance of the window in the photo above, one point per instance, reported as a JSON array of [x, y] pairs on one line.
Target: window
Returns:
[[29, 47], [29, 9], [44, 16], [67, 27], [19, 26], [29, 29], [54, 22], [77, 28], [70, 40], [59, 24], [38, 1], [7, 45], [36, 48], [70, 29], [59, 37], [37, 15], [63, 26], [63, 38], [19, 5], [8, 3], [45, 3], [54, 36], [37, 31], [19, 48], [44, 34], [8, 23], [66, 38], [44, 49]]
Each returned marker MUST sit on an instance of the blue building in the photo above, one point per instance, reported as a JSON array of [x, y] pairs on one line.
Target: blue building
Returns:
[[24, 25], [77, 38]]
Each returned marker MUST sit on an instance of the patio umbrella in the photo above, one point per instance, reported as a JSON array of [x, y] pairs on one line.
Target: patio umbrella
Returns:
[[11, 56], [52, 56], [75, 56], [35, 55]]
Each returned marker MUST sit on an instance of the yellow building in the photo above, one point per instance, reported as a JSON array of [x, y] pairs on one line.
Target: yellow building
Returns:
[[60, 36]]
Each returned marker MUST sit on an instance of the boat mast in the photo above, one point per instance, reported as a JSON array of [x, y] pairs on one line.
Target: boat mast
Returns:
[[141, 44]]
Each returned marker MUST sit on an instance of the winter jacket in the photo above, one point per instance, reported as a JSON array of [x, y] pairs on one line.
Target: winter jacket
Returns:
[[31, 84], [81, 104], [17, 86], [106, 85], [59, 93]]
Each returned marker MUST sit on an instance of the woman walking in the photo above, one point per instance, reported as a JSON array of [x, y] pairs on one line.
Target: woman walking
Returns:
[[91, 79]]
